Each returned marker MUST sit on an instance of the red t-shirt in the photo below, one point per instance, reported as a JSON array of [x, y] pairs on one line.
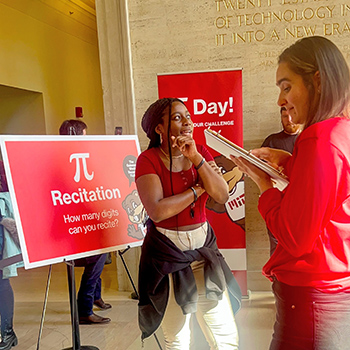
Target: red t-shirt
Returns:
[[311, 218], [149, 162]]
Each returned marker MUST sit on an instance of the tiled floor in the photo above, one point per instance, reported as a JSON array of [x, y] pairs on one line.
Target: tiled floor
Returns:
[[255, 319]]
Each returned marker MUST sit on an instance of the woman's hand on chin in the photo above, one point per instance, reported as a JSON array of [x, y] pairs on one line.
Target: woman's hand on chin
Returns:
[[186, 144]]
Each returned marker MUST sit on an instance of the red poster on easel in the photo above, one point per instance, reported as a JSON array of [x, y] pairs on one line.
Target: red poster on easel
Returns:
[[214, 99], [73, 196]]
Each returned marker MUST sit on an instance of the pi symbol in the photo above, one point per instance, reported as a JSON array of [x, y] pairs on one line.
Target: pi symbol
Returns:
[[82, 157]]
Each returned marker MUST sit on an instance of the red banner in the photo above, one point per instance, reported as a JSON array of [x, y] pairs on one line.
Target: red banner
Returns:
[[73, 196], [214, 100]]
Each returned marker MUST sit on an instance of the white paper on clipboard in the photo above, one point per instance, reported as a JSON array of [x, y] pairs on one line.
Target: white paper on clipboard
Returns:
[[227, 147]]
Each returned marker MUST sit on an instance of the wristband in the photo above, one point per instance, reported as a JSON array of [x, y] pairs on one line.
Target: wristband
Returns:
[[194, 194], [200, 164]]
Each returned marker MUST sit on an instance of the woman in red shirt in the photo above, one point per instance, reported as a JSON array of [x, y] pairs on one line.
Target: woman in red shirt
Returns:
[[310, 268], [174, 177]]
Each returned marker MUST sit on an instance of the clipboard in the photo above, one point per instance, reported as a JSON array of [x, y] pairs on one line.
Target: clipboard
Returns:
[[226, 147]]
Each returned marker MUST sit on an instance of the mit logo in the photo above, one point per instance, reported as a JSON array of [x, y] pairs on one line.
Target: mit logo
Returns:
[[236, 202]]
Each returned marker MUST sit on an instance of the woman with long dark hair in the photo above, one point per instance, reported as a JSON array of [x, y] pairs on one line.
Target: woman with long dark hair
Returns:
[[310, 267], [182, 271]]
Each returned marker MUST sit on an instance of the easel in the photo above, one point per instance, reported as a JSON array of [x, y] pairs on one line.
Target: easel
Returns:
[[74, 306], [73, 310]]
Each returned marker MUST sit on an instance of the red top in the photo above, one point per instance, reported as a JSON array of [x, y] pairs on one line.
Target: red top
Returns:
[[149, 162], [311, 218]]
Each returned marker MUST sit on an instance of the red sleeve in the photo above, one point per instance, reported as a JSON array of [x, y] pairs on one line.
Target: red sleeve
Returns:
[[299, 216], [145, 165], [287, 168]]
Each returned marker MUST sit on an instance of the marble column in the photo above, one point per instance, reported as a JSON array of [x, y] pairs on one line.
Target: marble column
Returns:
[[116, 70], [118, 95]]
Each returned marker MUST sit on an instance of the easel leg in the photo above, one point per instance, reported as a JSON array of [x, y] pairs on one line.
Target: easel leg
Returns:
[[133, 284], [74, 311], [44, 307]]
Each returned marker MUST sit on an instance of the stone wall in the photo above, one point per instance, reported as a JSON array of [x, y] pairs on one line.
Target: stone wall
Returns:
[[183, 35]]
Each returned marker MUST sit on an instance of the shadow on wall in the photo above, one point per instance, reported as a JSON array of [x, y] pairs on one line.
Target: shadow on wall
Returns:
[[22, 112]]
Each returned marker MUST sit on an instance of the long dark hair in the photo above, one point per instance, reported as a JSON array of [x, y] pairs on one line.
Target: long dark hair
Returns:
[[318, 54]]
